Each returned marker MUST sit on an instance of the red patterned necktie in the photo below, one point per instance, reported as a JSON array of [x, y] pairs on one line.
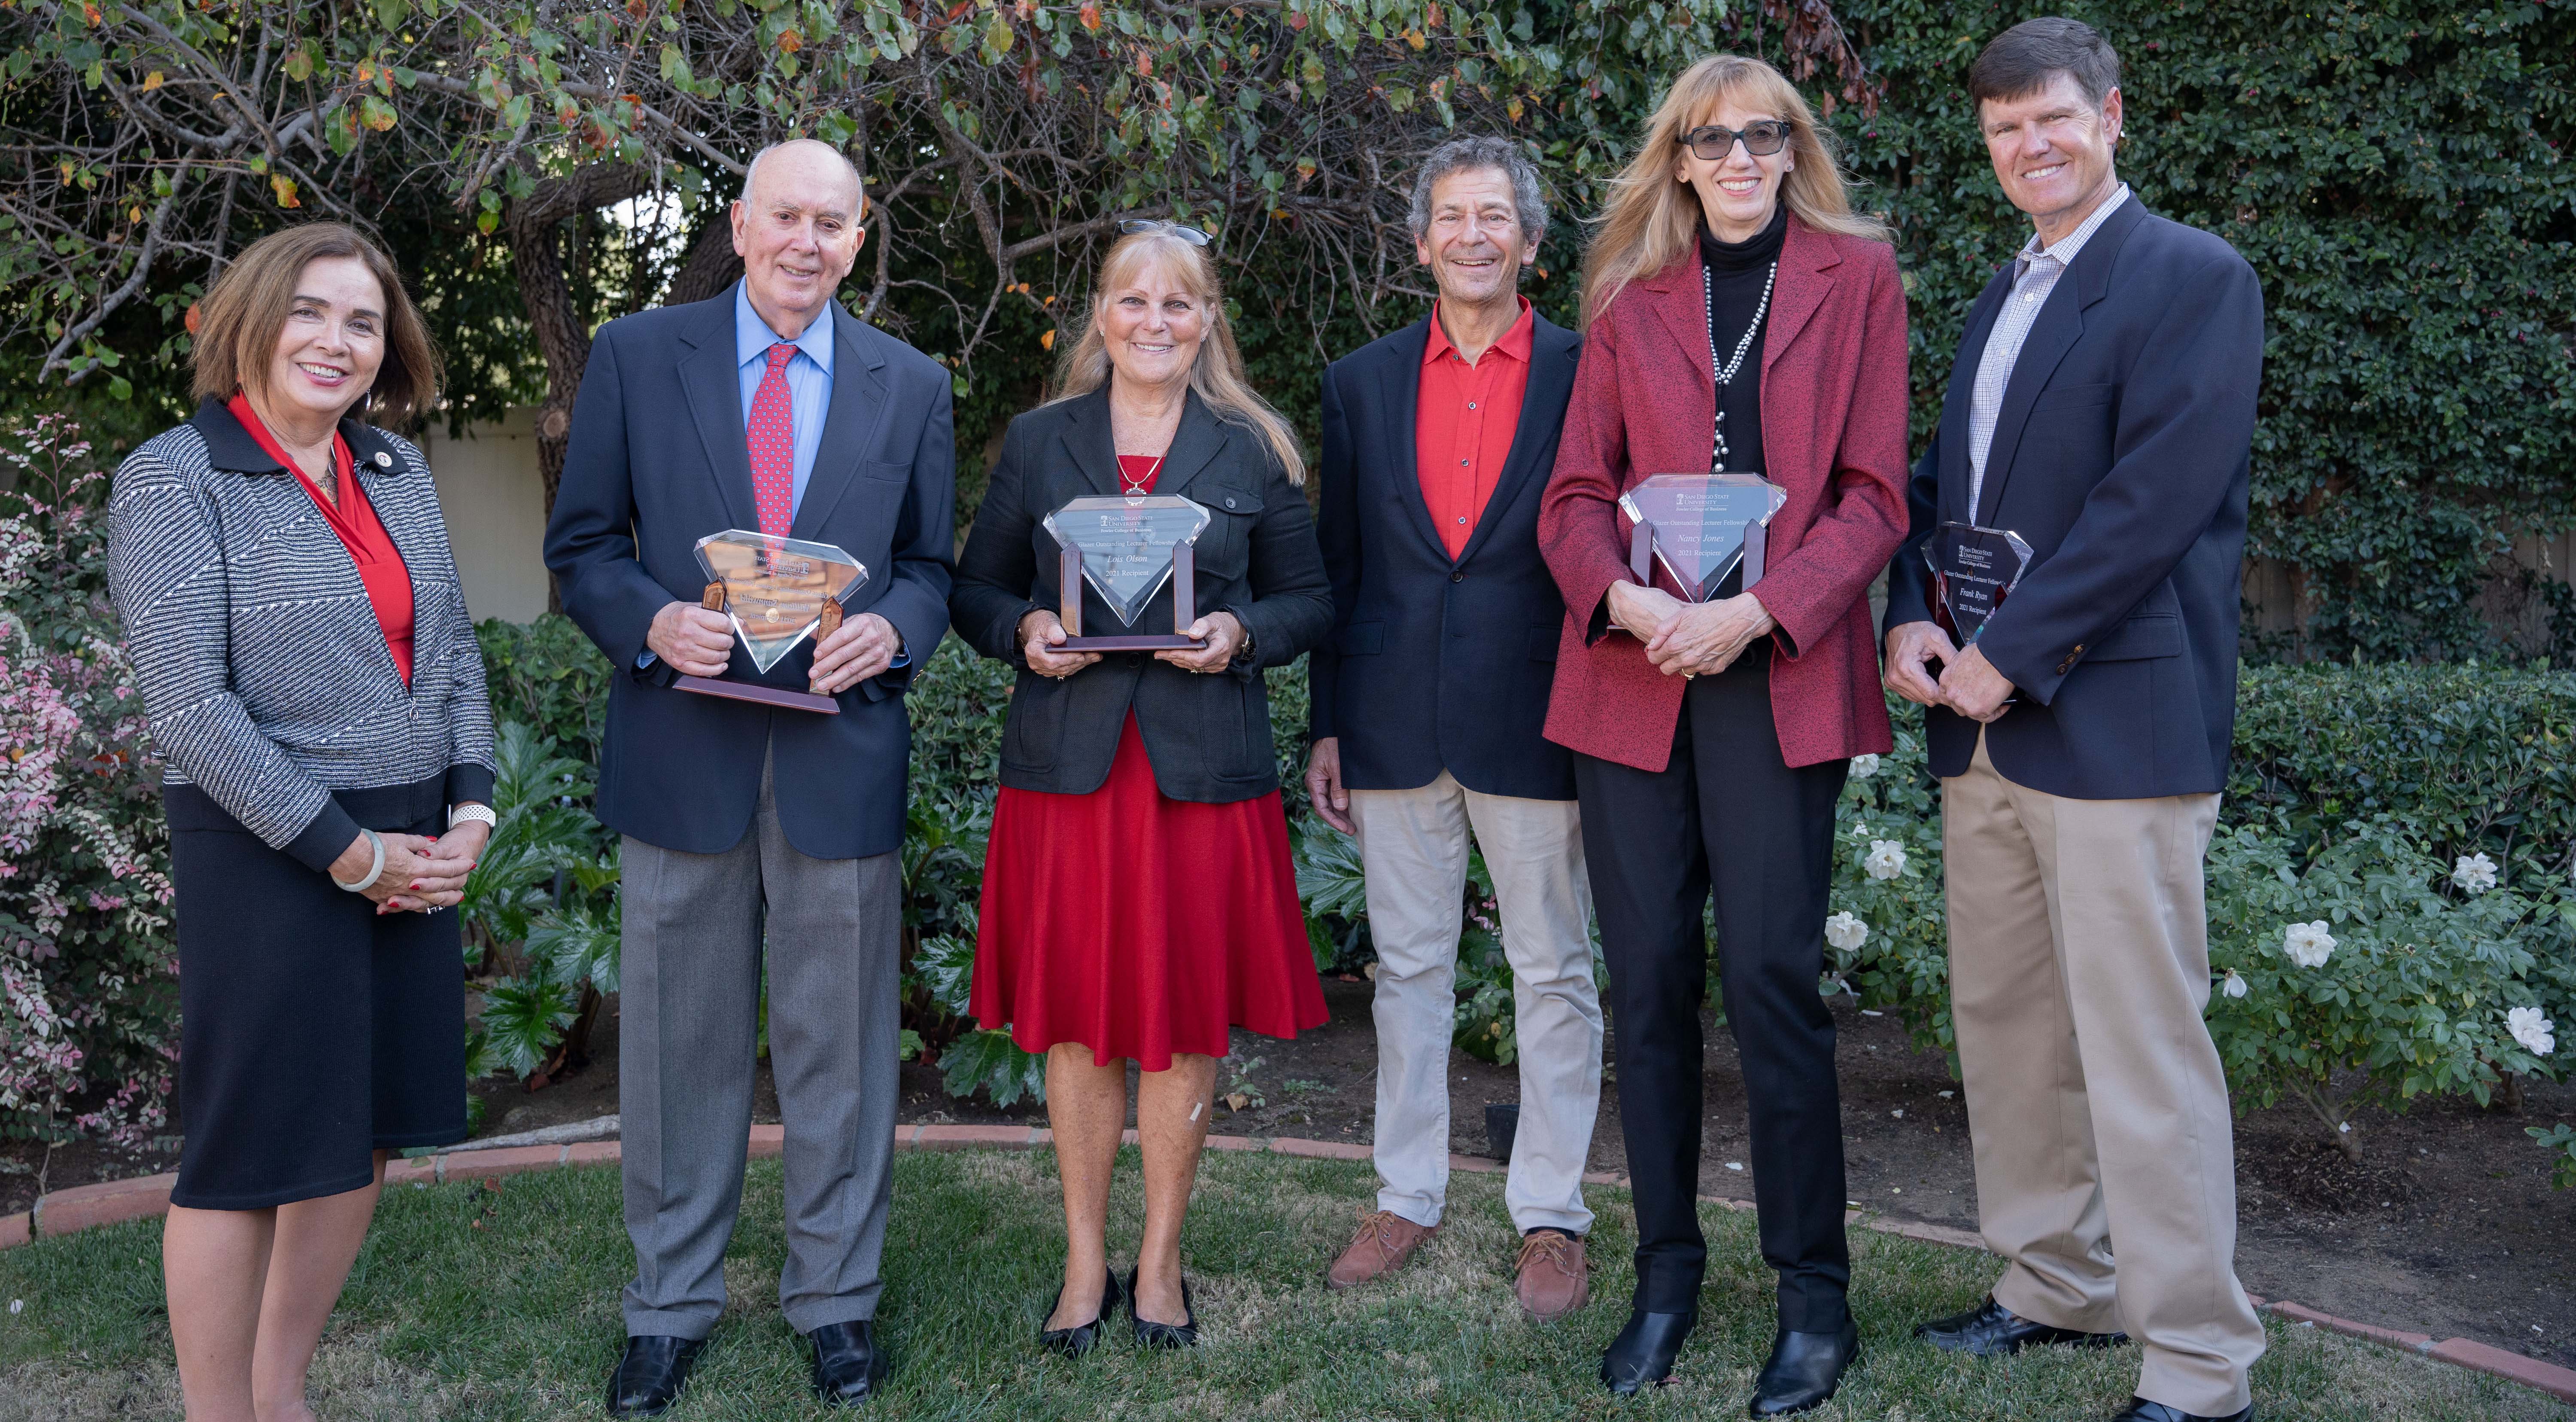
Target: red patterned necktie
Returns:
[[772, 438]]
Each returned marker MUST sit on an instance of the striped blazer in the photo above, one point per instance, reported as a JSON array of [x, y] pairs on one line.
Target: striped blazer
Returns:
[[260, 660]]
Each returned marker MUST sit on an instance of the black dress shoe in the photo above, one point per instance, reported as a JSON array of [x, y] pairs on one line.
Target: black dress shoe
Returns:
[[849, 1366], [1804, 1370], [2141, 1410], [1184, 1334], [1082, 1337], [1642, 1355], [650, 1375], [1991, 1330]]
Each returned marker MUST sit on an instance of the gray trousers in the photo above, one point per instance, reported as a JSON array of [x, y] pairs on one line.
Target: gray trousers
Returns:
[[689, 1014]]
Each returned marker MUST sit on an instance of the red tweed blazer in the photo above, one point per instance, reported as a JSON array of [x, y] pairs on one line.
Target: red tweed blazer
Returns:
[[1833, 435]]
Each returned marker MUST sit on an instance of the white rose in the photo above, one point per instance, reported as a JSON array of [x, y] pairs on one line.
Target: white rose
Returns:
[[2234, 986], [2532, 1030], [1864, 766], [2475, 873], [2308, 944], [1885, 860], [1846, 932]]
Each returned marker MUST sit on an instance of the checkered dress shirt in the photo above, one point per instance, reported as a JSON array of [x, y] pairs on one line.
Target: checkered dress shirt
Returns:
[[2035, 276]]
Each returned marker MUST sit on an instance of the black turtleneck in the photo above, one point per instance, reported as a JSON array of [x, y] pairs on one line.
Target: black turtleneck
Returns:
[[1736, 271]]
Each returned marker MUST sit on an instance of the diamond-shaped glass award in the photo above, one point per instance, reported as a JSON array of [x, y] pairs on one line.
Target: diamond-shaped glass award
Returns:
[[1973, 570], [776, 592], [1125, 546], [1700, 526]]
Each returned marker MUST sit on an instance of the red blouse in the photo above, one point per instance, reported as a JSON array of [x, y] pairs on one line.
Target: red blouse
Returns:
[[380, 564]]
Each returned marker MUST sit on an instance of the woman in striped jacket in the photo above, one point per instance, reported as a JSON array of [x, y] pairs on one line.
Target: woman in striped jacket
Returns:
[[316, 698]]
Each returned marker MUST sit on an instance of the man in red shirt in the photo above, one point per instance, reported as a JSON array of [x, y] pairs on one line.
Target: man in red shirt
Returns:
[[1429, 699]]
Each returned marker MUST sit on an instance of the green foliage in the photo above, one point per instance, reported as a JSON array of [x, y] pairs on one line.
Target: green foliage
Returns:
[[2410, 1000], [2475, 759], [2560, 1142], [89, 993], [547, 675], [2397, 173]]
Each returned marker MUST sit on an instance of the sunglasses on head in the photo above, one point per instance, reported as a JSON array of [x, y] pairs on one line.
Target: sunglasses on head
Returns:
[[1133, 225], [1710, 143]]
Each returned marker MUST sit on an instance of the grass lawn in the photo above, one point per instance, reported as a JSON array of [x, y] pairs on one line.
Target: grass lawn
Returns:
[[483, 1304]]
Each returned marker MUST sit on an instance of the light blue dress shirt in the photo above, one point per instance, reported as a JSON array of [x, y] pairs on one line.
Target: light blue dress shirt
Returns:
[[809, 377], [809, 398]]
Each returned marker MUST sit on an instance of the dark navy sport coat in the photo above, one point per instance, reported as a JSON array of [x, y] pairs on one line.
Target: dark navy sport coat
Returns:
[[657, 461], [1437, 663], [2120, 454]]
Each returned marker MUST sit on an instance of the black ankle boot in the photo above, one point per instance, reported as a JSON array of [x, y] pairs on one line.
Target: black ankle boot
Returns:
[[1642, 1355], [1804, 1370]]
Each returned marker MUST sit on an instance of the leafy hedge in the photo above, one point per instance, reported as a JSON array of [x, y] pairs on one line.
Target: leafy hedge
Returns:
[[2398, 174], [2365, 801]]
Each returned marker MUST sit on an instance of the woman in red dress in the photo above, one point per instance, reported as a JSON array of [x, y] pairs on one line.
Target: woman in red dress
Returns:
[[1138, 899]]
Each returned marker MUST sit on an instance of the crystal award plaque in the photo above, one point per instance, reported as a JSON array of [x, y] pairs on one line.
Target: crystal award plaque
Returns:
[[776, 592], [1700, 526], [1973, 570], [1125, 546]]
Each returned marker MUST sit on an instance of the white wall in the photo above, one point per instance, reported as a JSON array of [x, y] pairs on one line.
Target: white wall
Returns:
[[494, 501]]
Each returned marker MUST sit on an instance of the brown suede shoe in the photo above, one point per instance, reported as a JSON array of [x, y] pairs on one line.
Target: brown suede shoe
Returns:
[[1554, 1281], [1385, 1241]]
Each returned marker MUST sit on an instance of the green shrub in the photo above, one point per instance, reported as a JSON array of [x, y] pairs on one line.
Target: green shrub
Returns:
[[89, 991]]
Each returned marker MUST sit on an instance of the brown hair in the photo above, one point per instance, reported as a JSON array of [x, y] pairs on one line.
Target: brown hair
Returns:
[[2018, 63], [238, 322], [1217, 374], [1654, 221]]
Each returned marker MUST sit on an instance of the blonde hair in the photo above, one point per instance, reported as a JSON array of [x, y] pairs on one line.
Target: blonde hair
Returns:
[[1653, 221], [1217, 374]]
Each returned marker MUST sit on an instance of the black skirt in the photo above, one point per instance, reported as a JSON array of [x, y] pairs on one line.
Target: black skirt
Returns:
[[313, 1032]]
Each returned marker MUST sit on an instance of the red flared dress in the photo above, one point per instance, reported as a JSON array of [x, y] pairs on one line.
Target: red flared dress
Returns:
[[1138, 925]]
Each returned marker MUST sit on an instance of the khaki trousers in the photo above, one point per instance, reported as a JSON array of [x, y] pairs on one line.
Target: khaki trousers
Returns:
[[1413, 847], [2079, 965]]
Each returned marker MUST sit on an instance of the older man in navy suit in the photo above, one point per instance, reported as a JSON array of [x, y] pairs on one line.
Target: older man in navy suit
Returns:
[[2102, 410], [1429, 699], [756, 834]]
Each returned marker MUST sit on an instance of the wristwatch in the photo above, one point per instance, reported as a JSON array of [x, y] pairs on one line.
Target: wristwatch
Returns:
[[1243, 654], [479, 814]]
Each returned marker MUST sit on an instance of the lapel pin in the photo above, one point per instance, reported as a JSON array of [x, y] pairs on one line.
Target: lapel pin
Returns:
[[384, 460]]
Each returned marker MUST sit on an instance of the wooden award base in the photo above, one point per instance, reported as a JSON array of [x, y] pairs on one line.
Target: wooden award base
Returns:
[[779, 696], [1184, 610]]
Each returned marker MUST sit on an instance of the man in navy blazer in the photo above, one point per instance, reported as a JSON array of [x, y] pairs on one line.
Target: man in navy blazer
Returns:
[[2102, 408], [756, 835], [1429, 699]]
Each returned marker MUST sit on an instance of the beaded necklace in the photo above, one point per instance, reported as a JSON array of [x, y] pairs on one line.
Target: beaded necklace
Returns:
[[1726, 371]]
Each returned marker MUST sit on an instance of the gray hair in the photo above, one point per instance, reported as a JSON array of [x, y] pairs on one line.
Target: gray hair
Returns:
[[751, 170], [1460, 154]]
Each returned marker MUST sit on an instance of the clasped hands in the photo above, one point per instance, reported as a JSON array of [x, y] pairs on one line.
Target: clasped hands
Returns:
[[1966, 682], [697, 642], [421, 875], [1041, 632], [1688, 638]]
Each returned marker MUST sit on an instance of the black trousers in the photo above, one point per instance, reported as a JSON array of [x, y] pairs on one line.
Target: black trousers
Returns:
[[1727, 816]]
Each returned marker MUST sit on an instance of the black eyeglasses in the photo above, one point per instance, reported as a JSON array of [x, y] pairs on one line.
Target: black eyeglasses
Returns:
[[1710, 143], [1133, 225]]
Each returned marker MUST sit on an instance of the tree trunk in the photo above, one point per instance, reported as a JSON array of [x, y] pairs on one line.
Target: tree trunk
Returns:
[[710, 267]]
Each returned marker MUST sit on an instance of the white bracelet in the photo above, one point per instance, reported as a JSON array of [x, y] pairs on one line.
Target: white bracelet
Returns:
[[477, 814], [376, 842]]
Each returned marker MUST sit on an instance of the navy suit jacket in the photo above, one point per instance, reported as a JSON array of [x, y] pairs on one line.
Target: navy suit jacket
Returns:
[[657, 461], [1437, 663], [2120, 454]]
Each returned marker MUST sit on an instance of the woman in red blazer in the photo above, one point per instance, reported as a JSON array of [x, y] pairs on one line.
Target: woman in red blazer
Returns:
[[1738, 316]]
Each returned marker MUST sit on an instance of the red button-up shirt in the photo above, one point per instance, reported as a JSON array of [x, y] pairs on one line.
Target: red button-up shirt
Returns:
[[380, 564], [1463, 424]]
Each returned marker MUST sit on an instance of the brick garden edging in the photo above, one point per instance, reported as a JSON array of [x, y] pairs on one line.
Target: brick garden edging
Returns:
[[83, 1206]]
